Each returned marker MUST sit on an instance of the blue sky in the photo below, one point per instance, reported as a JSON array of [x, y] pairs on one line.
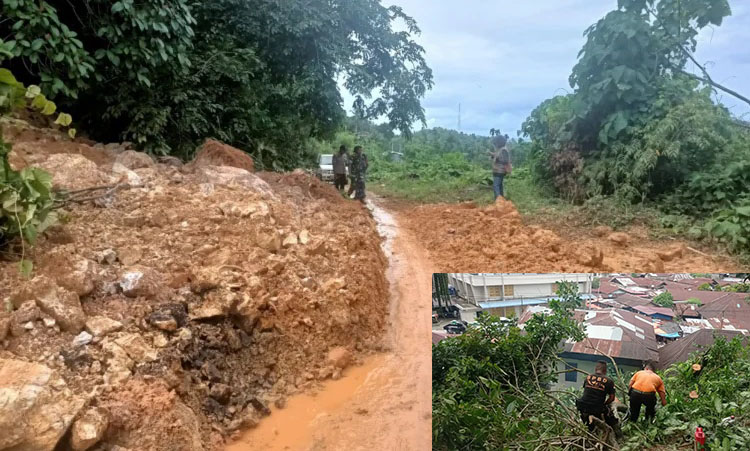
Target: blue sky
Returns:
[[500, 59]]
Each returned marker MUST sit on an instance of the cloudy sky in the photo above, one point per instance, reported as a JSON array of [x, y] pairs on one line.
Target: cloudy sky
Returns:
[[499, 59]]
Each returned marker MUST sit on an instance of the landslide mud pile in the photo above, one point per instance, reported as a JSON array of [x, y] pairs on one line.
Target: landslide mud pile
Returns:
[[174, 310], [464, 237]]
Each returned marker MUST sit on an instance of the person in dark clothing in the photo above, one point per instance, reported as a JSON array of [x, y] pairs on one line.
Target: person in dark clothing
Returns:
[[340, 168], [358, 169], [644, 386], [501, 166], [598, 394]]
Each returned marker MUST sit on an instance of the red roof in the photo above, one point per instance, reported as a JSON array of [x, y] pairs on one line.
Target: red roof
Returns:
[[637, 342], [732, 308], [630, 300], [682, 293], [606, 287], [652, 310], [646, 282], [437, 337]]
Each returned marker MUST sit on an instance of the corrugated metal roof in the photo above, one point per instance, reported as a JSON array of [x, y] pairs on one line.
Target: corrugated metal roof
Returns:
[[651, 310], [497, 303], [680, 350]]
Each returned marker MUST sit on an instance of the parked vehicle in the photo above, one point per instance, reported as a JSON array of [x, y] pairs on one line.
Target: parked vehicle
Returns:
[[325, 168], [456, 327]]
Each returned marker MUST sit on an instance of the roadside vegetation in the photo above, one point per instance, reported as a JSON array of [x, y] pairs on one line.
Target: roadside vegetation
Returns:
[[257, 74], [639, 140], [492, 390]]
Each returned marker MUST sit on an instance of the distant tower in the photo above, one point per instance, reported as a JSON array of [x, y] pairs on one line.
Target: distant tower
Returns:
[[459, 117]]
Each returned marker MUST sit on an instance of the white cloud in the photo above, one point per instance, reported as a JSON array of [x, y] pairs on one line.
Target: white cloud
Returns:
[[500, 59]]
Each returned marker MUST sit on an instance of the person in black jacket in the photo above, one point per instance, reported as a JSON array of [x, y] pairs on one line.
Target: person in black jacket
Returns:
[[598, 394]]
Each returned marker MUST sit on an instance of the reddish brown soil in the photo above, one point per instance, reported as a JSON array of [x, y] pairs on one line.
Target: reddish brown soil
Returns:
[[215, 153], [383, 404], [306, 298], [467, 238]]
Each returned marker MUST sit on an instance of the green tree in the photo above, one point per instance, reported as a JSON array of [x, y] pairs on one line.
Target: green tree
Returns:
[[664, 299], [261, 75]]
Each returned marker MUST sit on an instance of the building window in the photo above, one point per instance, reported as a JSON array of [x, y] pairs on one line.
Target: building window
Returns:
[[493, 292], [571, 376], [508, 290]]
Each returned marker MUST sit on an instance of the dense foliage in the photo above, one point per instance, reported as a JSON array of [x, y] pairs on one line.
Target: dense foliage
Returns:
[[483, 380], [261, 75], [640, 128], [491, 391], [721, 389]]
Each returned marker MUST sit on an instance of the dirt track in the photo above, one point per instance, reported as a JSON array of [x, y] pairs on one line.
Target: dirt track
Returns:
[[385, 403]]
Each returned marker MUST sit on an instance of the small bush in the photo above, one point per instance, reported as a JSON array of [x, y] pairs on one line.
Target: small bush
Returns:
[[664, 299]]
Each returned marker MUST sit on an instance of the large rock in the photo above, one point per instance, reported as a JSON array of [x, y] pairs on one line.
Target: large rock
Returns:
[[619, 238], [36, 407], [215, 153], [62, 305], [72, 171], [88, 430], [140, 281], [229, 176], [100, 326], [339, 357], [131, 159], [136, 348], [124, 175], [119, 364], [76, 275], [20, 319]]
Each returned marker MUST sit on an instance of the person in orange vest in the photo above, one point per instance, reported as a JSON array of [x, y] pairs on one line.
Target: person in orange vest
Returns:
[[644, 385]]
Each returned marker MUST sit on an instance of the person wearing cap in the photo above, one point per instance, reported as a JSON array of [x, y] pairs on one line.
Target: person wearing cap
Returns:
[[644, 385]]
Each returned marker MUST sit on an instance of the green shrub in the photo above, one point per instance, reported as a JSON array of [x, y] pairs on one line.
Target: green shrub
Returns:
[[731, 226], [705, 287], [27, 202], [664, 299], [694, 301]]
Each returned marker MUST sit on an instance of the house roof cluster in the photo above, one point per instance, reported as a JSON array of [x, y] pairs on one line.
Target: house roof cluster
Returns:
[[680, 350], [615, 333], [624, 323]]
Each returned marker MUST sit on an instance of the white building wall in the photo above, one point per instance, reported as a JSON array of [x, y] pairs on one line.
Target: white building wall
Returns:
[[474, 287]]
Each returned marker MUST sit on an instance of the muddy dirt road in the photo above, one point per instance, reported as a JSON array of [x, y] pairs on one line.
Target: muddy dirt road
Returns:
[[496, 238], [384, 403]]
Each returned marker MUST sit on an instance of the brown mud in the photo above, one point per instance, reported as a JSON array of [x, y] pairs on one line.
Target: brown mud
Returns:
[[385, 403], [467, 238]]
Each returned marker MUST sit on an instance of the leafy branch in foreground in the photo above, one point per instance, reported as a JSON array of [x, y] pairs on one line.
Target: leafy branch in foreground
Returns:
[[26, 198]]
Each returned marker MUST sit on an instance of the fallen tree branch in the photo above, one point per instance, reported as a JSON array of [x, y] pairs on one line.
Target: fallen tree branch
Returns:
[[79, 196]]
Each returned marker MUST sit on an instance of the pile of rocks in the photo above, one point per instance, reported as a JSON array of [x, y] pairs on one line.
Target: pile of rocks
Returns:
[[209, 290]]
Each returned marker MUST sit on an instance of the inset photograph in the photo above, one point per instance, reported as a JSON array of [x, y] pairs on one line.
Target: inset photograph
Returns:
[[590, 361]]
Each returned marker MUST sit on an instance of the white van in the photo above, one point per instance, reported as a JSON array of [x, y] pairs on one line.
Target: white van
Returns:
[[325, 168]]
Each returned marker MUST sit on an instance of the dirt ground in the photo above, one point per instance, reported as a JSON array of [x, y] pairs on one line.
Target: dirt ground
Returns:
[[187, 303], [384, 404], [468, 238]]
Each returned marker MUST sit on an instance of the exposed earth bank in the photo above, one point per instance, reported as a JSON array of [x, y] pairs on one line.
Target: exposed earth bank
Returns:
[[467, 238], [182, 302], [385, 403]]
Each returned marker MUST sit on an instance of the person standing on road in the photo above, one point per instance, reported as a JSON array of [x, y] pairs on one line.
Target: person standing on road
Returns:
[[598, 394], [358, 170], [644, 385], [340, 166], [501, 166]]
